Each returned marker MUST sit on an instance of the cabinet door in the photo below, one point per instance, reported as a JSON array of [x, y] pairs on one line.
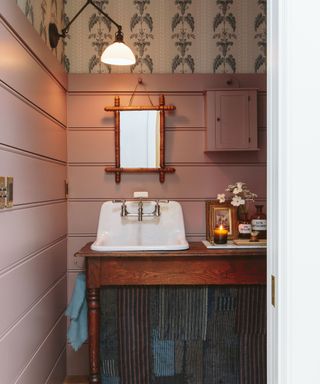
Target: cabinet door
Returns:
[[232, 120]]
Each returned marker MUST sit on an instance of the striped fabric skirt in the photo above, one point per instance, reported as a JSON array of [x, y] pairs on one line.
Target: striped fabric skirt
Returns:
[[189, 335]]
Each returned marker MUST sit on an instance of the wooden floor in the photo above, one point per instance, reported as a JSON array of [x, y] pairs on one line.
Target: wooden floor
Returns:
[[76, 380]]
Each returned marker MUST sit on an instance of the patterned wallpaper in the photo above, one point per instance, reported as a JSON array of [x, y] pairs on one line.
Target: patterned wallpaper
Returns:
[[171, 36], [167, 36], [40, 13]]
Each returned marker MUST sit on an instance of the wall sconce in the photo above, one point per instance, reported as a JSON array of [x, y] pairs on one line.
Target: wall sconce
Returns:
[[117, 53]]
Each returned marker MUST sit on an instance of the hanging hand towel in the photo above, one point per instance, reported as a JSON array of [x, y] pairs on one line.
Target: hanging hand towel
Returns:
[[77, 311]]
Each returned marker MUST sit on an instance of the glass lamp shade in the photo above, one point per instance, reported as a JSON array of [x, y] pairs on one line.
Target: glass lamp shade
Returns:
[[118, 54]]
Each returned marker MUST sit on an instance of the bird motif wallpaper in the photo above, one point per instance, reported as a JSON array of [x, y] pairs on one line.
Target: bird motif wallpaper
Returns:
[[166, 36]]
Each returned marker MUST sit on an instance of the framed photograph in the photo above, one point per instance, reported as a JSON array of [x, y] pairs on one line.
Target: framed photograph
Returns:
[[221, 213]]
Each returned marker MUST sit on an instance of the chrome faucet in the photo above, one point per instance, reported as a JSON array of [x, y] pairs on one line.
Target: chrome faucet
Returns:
[[140, 210], [157, 208], [124, 210], [125, 213]]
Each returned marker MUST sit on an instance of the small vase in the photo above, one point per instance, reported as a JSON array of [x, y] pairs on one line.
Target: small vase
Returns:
[[244, 224], [259, 222], [244, 227], [242, 212]]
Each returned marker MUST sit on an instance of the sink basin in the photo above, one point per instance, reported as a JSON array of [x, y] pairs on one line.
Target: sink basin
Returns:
[[154, 233]]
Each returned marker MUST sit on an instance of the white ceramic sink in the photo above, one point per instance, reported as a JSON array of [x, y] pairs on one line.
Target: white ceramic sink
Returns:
[[163, 233]]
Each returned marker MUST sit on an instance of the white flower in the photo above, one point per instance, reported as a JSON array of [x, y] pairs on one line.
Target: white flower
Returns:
[[239, 192], [230, 188], [237, 200], [238, 188], [221, 197]]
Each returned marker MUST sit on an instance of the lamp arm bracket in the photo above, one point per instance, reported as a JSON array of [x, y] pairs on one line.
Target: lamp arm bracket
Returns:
[[54, 34], [65, 30], [105, 15]]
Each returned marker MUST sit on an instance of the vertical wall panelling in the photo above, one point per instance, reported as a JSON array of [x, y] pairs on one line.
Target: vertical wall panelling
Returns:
[[199, 176], [33, 261]]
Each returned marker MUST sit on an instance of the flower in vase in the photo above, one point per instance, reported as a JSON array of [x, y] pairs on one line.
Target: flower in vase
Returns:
[[221, 197], [237, 200], [238, 188], [240, 194]]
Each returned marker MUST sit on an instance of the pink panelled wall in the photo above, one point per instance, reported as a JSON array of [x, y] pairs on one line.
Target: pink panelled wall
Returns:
[[199, 176], [33, 260], [33, 121]]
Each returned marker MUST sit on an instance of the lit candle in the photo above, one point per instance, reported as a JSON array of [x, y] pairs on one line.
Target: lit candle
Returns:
[[220, 235]]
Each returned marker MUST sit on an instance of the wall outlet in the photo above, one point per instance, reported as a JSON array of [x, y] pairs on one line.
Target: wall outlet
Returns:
[[6, 192], [143, 195]]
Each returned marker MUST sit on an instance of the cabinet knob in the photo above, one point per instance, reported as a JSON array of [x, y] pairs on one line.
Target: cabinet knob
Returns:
[[218, 118]]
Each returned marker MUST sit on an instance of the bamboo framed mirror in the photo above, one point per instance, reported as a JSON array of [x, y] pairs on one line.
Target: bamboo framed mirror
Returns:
[[139, 138]]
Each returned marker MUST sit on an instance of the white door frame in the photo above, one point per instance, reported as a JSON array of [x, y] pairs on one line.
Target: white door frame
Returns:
[[293, 186]]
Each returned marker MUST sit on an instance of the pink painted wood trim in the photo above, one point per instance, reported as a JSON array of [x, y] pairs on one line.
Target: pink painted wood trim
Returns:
[[30, 129], [253, 120], [262, 110], [31, 81], [189, 112], [35, 179], [210, 120], [51, 354], [162, 82], [198, 175], [49, 223], [47, 265], [12, 15], [33, 239], [190, 106], [23, 340], [182, 146], [58, 374], [187, 182]]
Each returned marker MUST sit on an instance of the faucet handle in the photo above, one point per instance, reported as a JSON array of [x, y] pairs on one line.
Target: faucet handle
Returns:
[[140, 210], [157, 208], [124, 211]]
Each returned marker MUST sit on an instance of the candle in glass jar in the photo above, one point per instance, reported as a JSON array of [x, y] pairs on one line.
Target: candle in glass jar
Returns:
[[220, 235]]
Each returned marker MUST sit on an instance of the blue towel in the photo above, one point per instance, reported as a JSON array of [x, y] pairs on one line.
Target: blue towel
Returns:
[[77, 311]]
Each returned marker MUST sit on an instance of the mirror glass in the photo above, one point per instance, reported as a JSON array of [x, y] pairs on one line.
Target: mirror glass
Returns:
[[140, 139]]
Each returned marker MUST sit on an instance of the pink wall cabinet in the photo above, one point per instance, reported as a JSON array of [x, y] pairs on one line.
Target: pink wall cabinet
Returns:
[[231, 120]]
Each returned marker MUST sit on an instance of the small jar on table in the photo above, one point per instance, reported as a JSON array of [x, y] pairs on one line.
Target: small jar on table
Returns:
[[259, 222], [244, 227]]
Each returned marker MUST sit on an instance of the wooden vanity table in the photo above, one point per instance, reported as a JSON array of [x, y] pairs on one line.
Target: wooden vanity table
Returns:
[[195, 266]]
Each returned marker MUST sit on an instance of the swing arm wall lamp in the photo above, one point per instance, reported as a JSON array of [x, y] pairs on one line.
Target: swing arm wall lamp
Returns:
[[117, 53]]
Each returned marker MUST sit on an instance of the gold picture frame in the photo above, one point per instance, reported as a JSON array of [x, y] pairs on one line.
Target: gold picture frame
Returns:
[[221, 213]]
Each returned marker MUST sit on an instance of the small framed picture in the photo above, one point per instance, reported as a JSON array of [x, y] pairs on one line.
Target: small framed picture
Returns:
[[220, 214]]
